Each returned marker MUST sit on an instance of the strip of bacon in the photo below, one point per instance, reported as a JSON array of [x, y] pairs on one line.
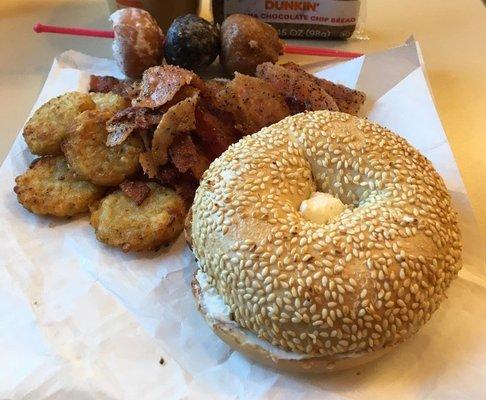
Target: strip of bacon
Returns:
[[160, 84], [348, 100], [301, 92], [124, 122], [179, 118]]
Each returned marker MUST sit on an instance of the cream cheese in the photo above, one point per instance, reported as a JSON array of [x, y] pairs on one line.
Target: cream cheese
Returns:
[[320, 208], [217, 311]]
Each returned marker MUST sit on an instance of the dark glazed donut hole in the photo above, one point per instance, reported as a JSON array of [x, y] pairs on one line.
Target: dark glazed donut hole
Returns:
[[191, 42]]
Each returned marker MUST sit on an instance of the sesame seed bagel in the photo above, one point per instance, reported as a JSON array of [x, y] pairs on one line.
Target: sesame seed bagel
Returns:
[[345, 291]]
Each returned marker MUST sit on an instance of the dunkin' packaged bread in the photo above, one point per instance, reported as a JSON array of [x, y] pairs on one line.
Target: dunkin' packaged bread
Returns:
[[311, 19]]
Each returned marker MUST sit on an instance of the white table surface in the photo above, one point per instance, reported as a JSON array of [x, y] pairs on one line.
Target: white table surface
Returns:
[[452, 36]]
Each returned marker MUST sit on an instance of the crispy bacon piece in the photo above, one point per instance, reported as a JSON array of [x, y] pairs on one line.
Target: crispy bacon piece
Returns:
[[187, 156], [215, 131], [178, 119], [146, 135], [102, 84], [137, 190], [214, 86], [301, 92], [348, 100], [184, 93], [187, 189], [201, 165], [183, 153], [184, 184], [250, 102], [253, 103], [148, 164], [168, 174], [124, 122], [160, 84], [129, 89]]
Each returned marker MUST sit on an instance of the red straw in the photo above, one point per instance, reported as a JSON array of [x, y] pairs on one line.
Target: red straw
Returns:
[[289, 49], [39, 28], [319, 51]]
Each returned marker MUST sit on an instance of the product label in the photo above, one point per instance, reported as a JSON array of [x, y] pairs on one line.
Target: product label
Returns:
[[318, 12]]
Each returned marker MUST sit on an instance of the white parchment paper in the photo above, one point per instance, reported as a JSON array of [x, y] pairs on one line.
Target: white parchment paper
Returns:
[[80, 320]]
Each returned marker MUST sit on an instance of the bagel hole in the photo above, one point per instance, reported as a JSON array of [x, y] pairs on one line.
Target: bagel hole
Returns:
[[351, 194]]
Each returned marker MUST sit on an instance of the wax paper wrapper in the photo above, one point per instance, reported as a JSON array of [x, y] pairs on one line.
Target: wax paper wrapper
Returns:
[[80, 320]]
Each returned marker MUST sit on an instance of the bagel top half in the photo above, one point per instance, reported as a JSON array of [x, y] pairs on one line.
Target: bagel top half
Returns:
[[365, 280]]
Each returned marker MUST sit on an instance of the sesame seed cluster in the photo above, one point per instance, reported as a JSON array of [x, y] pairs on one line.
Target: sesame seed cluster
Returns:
[[370, 278]]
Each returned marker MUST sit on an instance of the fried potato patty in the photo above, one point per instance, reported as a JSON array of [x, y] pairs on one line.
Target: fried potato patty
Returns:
[[118, 221], [88, 155], [109, 102], [51, 123], [49, 187]]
